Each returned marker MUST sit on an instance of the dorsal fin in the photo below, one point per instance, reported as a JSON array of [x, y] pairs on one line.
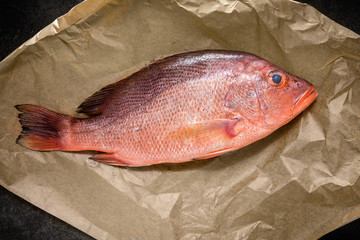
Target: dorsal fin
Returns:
[[146, 79], [94, 104]]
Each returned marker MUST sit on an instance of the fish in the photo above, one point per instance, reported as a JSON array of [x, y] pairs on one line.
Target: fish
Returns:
[[184, 107]]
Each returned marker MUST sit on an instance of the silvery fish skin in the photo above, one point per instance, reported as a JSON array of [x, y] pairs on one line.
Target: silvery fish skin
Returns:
[[194, 105]]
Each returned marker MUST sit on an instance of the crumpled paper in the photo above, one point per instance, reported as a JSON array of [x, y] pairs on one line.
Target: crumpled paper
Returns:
[[299, 183]]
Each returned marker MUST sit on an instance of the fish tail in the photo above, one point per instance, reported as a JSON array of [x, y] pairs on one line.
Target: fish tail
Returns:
[[42, 129]]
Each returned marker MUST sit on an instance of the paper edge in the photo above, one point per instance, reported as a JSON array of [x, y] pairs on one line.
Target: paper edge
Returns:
[[76, 13], [344, 221], [61, 218]]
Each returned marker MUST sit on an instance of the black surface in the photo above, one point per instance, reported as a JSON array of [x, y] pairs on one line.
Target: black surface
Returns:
[[22, 220], [19, 21]]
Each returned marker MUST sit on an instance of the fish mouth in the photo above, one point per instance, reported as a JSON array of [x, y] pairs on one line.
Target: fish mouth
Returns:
[[304, 100]]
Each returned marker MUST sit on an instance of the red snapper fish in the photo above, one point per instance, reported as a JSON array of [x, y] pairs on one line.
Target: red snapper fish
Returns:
[[194, 105]]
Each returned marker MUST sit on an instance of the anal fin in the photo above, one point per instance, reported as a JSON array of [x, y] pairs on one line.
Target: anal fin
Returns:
[[111, 159], [214, 153]]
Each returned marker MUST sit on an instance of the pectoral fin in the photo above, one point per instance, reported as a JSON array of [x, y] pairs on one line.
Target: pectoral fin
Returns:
[[220, 128]]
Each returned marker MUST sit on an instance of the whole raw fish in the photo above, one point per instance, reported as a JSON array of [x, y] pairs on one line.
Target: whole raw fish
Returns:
[[188, 106]]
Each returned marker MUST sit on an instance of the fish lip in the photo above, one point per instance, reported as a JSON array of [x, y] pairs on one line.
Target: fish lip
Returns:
[[304, 100]]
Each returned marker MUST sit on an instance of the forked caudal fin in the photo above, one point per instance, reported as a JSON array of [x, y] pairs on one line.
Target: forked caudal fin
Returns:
[[42, 129]]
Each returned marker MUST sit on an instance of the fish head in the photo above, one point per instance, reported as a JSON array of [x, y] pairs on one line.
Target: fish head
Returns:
[[281, 96]]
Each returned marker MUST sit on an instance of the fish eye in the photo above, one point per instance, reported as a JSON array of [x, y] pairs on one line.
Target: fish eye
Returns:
[[276, 78]]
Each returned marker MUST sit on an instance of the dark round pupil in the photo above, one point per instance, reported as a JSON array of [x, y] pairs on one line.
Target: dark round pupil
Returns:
[[276, 78]]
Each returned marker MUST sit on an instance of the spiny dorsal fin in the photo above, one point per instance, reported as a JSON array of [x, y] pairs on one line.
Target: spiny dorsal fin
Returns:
[[94, 105]]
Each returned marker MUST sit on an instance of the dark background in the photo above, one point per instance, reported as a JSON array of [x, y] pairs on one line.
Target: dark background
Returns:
[[21, 20]]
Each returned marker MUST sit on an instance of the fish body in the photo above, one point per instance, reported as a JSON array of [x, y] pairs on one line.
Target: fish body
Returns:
[[188, 106]]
